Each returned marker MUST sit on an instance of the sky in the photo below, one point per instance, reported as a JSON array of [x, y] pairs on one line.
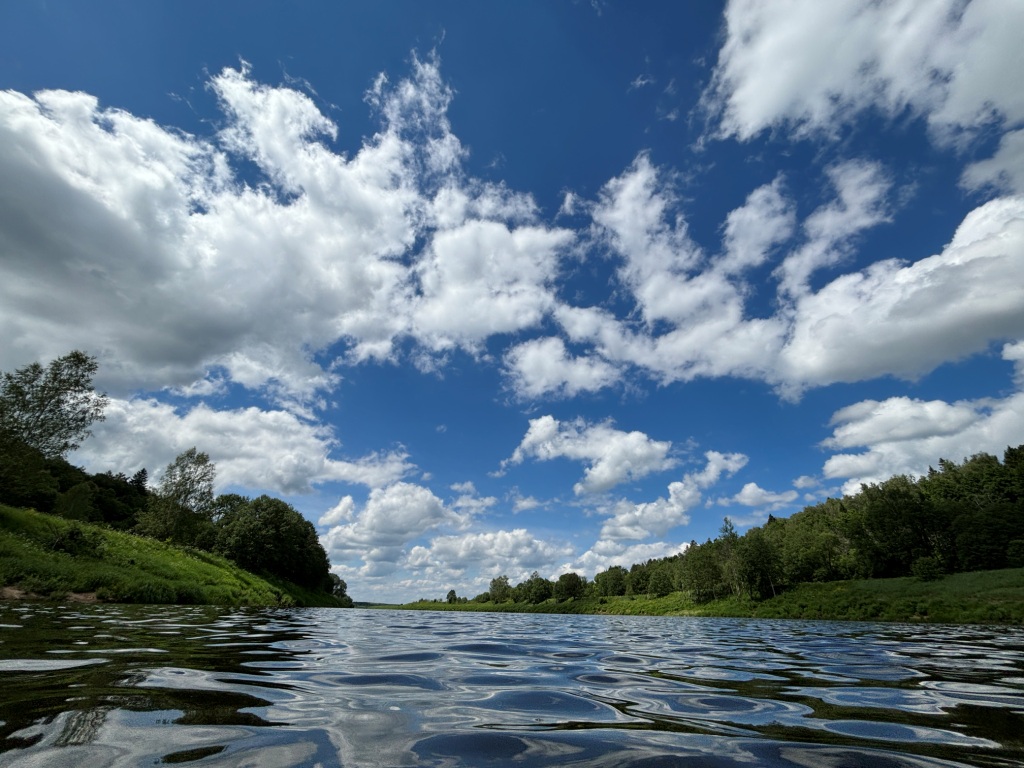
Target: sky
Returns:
[[484, 289]]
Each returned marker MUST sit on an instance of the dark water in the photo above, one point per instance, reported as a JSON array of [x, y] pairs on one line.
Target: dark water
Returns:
[[128, 686]]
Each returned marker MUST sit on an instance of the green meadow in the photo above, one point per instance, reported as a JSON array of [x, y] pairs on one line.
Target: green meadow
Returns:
[[48, 557]]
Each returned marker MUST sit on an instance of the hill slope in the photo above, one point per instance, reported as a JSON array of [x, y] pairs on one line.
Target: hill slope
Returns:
[[51, 557]]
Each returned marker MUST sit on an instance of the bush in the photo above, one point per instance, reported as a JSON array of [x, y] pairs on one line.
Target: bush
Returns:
[[927, 568]]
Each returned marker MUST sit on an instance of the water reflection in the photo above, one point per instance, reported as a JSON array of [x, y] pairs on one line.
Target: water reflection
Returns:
[[127, 686]]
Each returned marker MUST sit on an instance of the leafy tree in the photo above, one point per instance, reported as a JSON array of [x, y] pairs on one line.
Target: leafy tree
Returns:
[[569, 586], [500, 590], [537, 589], [268, 535], [51, 409], [340, 591], [759, 563], [452, 598], [182, 508], [611, 582], [660, 583]]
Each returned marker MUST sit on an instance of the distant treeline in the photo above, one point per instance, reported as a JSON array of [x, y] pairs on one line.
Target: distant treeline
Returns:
[[46, 411], [957, 518]]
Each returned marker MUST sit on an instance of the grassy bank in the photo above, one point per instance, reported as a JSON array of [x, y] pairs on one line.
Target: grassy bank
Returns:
[[984, 597], [50, 557]]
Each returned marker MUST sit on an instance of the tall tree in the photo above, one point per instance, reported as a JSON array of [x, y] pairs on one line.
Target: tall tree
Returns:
[[182, 508], [51, 409]]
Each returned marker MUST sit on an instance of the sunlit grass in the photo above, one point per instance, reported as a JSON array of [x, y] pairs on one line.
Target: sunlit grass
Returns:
[[50, 557]]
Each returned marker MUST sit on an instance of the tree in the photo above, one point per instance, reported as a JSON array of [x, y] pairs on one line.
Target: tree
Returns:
[[500, 589], [51, 409], [340, 591], [451, 598], [569, 585], [268, 535], [611, 582], [536, 589], [182, 508]]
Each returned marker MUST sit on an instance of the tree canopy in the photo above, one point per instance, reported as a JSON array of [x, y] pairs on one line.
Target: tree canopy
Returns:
[[51, 408]]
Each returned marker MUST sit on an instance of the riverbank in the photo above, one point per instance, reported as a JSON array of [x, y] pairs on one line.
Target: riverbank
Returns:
[[983, 597], [44, 557]]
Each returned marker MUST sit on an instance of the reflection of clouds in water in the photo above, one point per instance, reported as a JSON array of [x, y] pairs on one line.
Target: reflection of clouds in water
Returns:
[[369, 688]]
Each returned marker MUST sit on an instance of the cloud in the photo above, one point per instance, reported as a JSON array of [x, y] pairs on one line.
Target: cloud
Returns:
[[811, 67], [752, 495], [906, 320], [252, 252], [482, 279], [861, 188], [656, 518], [765, 220], [391, 518], [254, 448], [1003, 171], [613, 456], [906, 436], [544, 367], [514, 553]]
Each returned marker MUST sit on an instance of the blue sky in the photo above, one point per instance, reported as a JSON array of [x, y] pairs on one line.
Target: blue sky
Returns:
[[489, 288]]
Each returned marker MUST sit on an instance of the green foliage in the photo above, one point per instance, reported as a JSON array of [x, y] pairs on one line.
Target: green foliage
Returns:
[[50, 409], [51, 557], [611, 582], [267, 535], [500, 591], [181, 510], [570, 586], [927, 568]]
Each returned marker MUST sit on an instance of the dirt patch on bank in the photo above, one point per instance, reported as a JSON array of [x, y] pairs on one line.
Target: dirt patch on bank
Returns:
[[16, 593]]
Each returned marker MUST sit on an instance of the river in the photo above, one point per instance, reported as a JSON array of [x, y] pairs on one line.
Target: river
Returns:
[[108, 685]]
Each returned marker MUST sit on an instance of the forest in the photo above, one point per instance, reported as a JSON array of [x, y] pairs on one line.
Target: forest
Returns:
[[959, 517], [45, 412]]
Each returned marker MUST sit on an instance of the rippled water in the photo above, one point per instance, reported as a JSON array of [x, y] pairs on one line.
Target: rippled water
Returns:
[[131, 686]]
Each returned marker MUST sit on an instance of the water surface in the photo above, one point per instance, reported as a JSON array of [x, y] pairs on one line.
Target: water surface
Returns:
[[130, 686]]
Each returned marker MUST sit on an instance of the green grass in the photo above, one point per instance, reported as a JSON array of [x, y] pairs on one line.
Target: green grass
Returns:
[[984, 597], [51, 557]]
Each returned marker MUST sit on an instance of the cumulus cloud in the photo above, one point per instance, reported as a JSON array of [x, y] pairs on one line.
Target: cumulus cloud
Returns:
[[812, 66], [656, 518], [514, 553], [906, 319], [545, 367], [267, 449], [173, 261], [613, 456], [906, 436], [753, 495], [391, 518]]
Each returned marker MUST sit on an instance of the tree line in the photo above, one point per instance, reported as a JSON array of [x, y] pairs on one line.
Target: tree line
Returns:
[[958, 517], [45, 412]]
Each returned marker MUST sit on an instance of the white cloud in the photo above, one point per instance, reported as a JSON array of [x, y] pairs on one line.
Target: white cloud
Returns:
[[483, 279], [1003, 171], [606, 552], [752, 495], [171, 263], [271, 450], [544, 367], [904, 436], [765, 220], [862, 188], [811, 66], [656, 518], [515, 553], [613, 456], [391, 518], [907, 319]]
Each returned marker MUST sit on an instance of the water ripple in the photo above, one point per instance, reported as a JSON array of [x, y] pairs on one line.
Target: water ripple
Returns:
[[128, 686]]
